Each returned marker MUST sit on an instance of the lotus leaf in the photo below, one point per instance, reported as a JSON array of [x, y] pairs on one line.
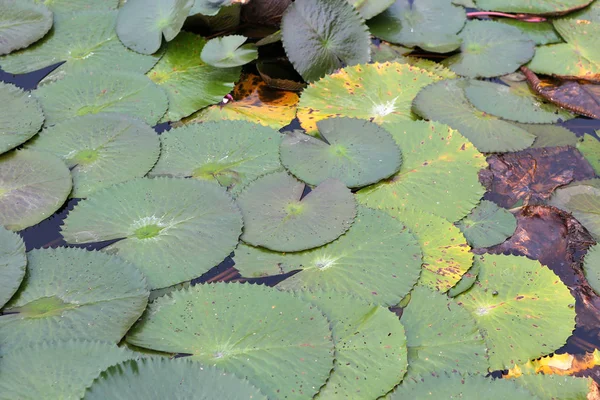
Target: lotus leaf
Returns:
[[381, 93], [551, 7], [556, 387], [446, 102], [429, 24], [72, 293], [86, 40], [101, 149], [278, 217], [108, 92], [490, 49], [12, 264], [377, 260], [522, 308], [487, 225], [64, 6], [370, 347], [356, 152], [33, 186], [56, 370], [188, 81], [590, 148], [432, 154], [173, 229], [540, 32], [321, 36], [290, 363], [141, 25], [582, 199], [228, 51], [441, 336], [550, 135], [158, 378], [22, 23], [21, 117], [233, 153]]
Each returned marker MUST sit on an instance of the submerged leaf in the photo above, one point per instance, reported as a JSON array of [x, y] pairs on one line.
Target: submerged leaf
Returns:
[[321, 36], [582, 199], [383, 51], [21, 116], [12, 264], [22, 23], [288, 363], [228, 51], [487, 225]]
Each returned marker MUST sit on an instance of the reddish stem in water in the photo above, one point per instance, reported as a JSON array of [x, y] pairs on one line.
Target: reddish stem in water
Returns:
[[520, 17]]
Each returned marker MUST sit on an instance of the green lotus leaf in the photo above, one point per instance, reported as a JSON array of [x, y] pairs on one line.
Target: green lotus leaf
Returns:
[[447, 103], [582, 199], [159, 378], [12, 264], [33, 186], [63, 6], [173, 229], [100, 149], [85, 93], [516, 102], [233, 153], [466, 282], [532, 6], [445, 385], [188, 81], [540, 32], [487, 225], [370, 347], [22, 23], [72, 293], [378, 260], [21, 117], [370, 8], [589, 146], [354, 151], [277, 217], [228, 51], [556, 387], [56, 370], [429, 24], [380, 93], [141, 25], [320, 36], [490, 49], [441, 336], [550, 135], [438, 163], [290, 363], [86, 40], [208, 7], [522, 308]]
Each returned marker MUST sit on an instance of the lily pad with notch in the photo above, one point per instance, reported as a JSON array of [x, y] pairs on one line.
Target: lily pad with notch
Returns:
[[115, 148], [378, 260], [234, 153], [12, 264], [356, 152], [278, 217], [228, 51], [22, 23], [288, 363], [487, 225], [72, 293], [21, 117], [173, 229], [33, 186]]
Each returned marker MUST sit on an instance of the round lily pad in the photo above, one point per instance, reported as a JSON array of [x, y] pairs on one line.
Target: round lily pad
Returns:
[[438, 174], [490, 49], [582, 199], [487, 225], [550, 135], [22, 23], [277, 217], [228, 51], [33, 186], [86, 40], [446, 102], [141, 25], [290, 363], [12, 264], [233, 153], [441, 336], [101, 149], [21, 117], [380, 93], [370, 347], [533, 6], [56, 370], [522, 308], [86, 92], [429, 24], [189, 82], [356, 152], [159, 378], [557, 387], [515, 103], [173, 229], [591, 267], [72, 293], [320, 36], [377, 260], [540, 32]]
